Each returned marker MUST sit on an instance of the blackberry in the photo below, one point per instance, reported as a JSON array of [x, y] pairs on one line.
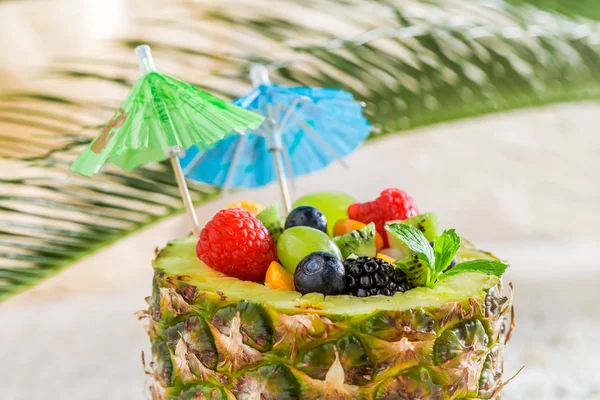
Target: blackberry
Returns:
[[366, 276]]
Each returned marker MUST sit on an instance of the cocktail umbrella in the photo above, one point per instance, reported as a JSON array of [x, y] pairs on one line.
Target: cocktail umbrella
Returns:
[[161, 117], [305, 130]]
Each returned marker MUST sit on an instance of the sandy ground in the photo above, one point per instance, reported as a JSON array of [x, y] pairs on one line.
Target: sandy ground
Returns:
[[523, 185]]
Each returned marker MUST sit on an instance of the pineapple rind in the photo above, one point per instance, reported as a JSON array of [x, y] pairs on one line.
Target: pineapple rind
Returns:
[[217, 336]]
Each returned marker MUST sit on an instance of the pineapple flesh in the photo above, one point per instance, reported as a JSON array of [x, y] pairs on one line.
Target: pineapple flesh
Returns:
[[216, 337]]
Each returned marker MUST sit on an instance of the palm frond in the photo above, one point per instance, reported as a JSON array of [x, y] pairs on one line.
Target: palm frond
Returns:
[[413, 63], [579, 8], [50, 218]]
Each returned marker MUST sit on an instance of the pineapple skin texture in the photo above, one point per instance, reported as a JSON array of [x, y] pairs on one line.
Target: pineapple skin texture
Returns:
[[206, 346]]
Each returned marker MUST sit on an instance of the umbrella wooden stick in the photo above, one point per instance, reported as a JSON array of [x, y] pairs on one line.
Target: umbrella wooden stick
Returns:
[[283, 186], [146, 64], [260, 76], [184, 191]]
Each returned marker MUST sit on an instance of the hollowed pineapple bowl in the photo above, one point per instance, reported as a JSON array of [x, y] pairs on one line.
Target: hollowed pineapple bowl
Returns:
[[217, 337]]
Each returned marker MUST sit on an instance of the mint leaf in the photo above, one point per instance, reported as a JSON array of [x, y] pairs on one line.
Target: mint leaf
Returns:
[[445, 248], [415, 240], [488, 267], [425, 267]]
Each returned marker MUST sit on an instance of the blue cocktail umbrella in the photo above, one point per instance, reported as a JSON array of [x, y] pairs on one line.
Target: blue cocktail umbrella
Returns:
[[305, 130]]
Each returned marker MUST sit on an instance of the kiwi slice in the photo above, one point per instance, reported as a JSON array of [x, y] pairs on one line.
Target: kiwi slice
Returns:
[[360, 242], [417, 273], [427, 223], [271, 219]]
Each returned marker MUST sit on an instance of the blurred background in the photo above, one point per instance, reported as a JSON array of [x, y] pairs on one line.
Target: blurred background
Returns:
[[486, 112]]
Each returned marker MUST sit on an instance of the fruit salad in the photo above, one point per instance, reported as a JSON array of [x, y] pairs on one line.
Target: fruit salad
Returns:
[[337, 300], [331, 245]]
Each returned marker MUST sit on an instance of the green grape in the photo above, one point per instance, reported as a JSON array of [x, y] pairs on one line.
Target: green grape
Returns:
[[333, 204], [298, 242]]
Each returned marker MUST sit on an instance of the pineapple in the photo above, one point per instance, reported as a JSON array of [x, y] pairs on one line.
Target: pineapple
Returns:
[[217, 337]]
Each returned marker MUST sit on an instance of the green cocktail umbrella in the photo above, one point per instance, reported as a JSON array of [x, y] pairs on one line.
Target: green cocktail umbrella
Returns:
[[161, 117]]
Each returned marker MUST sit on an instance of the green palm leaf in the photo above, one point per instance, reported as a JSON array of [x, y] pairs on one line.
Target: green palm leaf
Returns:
[[48, 222], [580, 8], [413, 63]]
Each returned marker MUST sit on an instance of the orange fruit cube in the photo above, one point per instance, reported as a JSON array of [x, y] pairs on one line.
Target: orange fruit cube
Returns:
[[278, 277]]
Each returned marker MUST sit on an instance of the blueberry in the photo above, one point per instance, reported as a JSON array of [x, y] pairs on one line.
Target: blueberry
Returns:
[[320, 272], [306, 216]]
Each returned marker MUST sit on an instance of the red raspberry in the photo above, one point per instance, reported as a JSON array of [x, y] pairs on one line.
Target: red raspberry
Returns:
[[392, 204], [237, 244]]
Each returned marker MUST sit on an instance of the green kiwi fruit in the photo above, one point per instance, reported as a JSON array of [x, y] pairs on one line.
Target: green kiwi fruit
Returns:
[[360, 242], [427, 223], [271, 219], [417, 273]]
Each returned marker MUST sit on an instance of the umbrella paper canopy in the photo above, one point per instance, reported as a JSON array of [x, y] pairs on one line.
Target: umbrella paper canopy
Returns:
[[306, 129], [161, 116], [162, 113]]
